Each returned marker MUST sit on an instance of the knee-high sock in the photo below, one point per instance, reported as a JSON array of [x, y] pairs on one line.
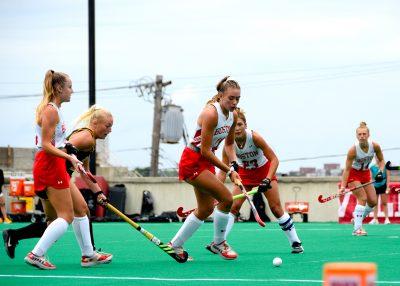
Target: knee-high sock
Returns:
[[220, 222], [358, 216], [286, 224], [52, 233], [229, 226], [367, 210], [191, 224], [82, 234], [30, 231]]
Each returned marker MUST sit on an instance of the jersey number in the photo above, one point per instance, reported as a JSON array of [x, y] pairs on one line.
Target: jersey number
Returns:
[[250, 164]]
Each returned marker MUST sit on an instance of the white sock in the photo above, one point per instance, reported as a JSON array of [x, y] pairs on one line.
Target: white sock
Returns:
[[229, 226], [220, 225], [358, 216], [286, 224], [82, 234], [367, 210], [52, 233], [191, 224]]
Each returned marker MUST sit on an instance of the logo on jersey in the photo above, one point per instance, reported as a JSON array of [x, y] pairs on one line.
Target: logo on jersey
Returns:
[[248, 155], [222, 130]]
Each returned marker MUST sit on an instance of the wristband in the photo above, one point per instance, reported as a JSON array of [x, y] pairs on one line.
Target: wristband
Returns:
[[231, 169]]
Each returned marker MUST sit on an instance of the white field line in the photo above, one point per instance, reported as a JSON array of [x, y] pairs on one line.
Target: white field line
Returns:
[[237, 280]]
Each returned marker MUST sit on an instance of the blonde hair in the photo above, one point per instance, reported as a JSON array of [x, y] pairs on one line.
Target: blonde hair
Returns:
[[241, 114], [51, 79], [363, 125], [94, 112], [222, 86]]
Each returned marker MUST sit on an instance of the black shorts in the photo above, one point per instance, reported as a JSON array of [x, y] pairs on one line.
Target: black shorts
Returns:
[[381, 190]]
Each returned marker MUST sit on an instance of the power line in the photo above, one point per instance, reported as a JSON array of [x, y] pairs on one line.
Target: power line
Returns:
[[394, 62], [80, 91], [365, 69], [328, 156]]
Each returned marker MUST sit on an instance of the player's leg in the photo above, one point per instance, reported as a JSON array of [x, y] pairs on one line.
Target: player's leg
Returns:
[[384, 201], [207, 188], [11, 237], [214, 188], [61, 200], [236, 205], [359, 208], [284, 220], [235, 209], [81, 228], [375, 219], [371, 199]]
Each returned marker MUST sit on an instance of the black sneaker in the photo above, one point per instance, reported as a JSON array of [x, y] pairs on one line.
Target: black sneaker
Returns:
[[297, 248], [9, 244]]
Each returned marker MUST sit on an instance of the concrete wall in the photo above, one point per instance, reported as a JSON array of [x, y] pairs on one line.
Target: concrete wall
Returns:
[[17, 159], [169, 194]]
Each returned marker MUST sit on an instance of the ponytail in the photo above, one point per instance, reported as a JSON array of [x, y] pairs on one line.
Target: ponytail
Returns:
[[51, 79]]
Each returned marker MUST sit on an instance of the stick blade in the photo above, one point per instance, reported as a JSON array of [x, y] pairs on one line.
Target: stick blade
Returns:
[[170, 251], [260, 222], [390, 167], [179, 212], [320, 199]]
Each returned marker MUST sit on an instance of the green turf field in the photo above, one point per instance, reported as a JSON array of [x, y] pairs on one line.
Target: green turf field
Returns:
[[138, 262]]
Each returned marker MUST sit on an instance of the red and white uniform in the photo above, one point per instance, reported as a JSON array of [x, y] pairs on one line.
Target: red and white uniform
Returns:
[[360, 168], [50, 170], [192, 163], [253, 165]]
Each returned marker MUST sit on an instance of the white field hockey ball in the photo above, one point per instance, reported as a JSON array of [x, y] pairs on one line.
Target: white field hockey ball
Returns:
[[277, 261]]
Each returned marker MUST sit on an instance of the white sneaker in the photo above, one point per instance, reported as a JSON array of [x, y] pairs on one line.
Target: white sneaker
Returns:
[[97, 258], [359, 232], [224, 250], [387, 221], [374, 221]]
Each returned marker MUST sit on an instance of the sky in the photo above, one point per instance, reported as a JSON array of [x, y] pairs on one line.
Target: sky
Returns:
[[309, 71]]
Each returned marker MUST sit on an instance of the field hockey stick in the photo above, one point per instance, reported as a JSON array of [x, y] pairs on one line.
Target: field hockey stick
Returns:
[[184, 214], [334, 196], [390, 167], [164, 247], [253, 208]]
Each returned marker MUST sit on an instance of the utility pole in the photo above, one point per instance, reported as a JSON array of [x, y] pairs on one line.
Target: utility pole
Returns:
[[92, 75], [155, 143]]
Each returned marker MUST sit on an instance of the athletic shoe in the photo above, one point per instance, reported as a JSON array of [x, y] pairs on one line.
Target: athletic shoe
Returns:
[[39, 261], [387, 221], [297, 248], [374, 221], [97, 258], [7, 220], [179, 251], [208, 247], [9, 243], [359, 232], [224, 250]]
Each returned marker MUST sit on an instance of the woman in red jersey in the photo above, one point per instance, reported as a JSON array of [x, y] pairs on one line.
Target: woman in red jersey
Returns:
[[257, 167], [357, 172], [52, 182], [215, 123]]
